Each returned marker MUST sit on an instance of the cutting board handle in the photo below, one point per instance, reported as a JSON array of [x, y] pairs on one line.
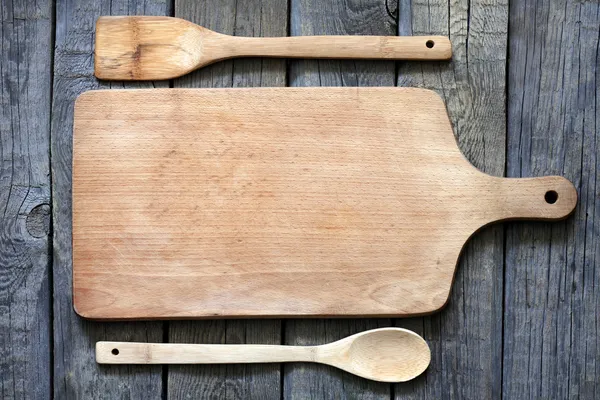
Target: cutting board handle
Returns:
[[545, 198]]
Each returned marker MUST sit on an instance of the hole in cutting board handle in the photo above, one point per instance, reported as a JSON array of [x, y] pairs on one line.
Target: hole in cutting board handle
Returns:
[[115, 352], [430, 44], [551, 196]]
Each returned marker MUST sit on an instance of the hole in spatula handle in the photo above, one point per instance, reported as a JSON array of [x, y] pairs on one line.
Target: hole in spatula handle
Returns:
[[115, 352]]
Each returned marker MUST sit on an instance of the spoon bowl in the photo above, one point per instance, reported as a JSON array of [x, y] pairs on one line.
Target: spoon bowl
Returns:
[[386, 354]]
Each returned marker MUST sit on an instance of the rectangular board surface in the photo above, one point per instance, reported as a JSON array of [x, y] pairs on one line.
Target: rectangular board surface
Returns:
[[206, 203]]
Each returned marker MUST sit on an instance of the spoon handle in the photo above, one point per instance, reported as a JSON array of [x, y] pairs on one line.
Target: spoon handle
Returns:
[[171, 353], [358, 47]]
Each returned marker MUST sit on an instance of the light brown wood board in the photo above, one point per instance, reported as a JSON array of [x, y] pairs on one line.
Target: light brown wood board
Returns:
[[265, 202]]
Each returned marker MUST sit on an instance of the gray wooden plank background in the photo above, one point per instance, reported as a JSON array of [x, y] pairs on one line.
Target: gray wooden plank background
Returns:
[[522, 93], [552, 271], [315, 17], [76, 374], [466, 337], [259, 381], [25, 293]]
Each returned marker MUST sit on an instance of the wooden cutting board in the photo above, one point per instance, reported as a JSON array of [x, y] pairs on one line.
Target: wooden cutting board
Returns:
[[311, 202]]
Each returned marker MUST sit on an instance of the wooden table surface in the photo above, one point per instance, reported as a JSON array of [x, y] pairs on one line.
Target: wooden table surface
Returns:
[[522, 92]]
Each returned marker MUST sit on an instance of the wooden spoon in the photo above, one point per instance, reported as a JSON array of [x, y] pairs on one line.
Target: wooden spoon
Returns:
[[386, 354], [153, 48]]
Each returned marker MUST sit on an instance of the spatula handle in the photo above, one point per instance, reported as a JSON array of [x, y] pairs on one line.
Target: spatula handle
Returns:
[[359, 47], [171, 353]]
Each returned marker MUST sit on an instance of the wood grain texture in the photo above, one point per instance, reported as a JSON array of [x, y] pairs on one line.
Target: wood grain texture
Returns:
[[364, 188], [25, 296], [552, 272], [552, 302], [146, 48], [313, 17], [465, 338], [385, 354], [264, 18], [76, 375]]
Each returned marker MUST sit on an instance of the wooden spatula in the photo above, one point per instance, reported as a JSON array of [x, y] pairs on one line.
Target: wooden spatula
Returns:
[[385, 354], [154, 48]]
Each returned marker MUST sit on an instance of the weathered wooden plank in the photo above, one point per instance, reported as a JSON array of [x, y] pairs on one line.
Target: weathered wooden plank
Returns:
[[76, 374], [466, 337], [313, 17], [25, 295], [259, 381], [551, 330]]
